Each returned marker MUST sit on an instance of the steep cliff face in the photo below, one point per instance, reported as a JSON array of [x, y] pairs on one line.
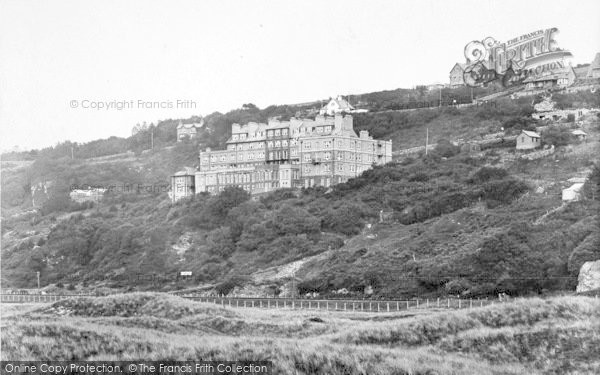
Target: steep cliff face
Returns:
[[589, 277]]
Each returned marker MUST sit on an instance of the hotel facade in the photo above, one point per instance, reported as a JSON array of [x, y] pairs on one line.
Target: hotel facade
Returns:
[[286, 154]]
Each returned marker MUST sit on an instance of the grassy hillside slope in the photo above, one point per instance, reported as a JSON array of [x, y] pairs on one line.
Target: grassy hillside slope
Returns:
[[533, 336]]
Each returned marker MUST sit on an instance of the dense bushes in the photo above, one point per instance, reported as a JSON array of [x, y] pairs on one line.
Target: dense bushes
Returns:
[[557, 136]]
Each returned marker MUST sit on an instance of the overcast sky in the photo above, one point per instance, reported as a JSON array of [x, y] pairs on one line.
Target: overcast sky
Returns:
[[55, 55]]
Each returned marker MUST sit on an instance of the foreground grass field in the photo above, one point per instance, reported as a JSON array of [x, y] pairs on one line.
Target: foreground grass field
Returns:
[[533, 336]]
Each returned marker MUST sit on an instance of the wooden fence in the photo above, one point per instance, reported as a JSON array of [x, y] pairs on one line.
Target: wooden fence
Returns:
[[343, 305], [290, 303], [36, 298]]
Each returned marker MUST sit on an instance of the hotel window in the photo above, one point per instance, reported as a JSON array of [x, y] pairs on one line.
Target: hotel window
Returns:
[[284, 143], [327, 144], [270, 144], [306, 157], [351, 168], [242, 136], [277, 144], [223, 158], [284, 132], [339, 144], [270, 155], [340, 167], [269, 133], [294, 152], [307, 145], [357, 157], [306, 169], [328, 128], [235, 137], [319, 129], [327, 168], [317, 145], [327, 155], [277, 133]]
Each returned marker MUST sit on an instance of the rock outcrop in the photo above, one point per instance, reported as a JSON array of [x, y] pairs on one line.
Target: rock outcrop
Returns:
[[589, 277]]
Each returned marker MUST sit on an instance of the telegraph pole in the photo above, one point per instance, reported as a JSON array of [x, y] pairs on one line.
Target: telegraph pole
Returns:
[[38, 279]]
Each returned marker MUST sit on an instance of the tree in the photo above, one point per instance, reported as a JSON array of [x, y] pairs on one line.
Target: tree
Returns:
[[219, 206], [557, 136]]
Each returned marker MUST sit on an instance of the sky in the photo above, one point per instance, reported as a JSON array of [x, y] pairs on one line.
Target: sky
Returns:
[[66, 67]]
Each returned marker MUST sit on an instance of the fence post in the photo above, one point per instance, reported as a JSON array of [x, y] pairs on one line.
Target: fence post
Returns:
[[448, 302], [378, 306], [260, 303], [353, 306], [388, 307], [397, 305], [427, 303], [438, 302], [417, 303], [336, 305], [459, 303], [470, 303], [480, 303], [252, 303]]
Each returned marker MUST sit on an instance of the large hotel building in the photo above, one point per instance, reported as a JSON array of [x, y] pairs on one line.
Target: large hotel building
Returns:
[[284, 154]]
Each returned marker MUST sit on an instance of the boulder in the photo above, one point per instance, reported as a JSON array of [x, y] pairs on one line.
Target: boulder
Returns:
[[589, 277]]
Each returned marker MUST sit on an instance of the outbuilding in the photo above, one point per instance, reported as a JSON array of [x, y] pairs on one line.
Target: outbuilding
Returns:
[[580, 134], [528, 140], [573, 193]]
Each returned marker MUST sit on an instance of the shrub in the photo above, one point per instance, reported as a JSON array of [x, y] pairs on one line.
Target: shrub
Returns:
[[445, 148], [557, 136], [488, 173]]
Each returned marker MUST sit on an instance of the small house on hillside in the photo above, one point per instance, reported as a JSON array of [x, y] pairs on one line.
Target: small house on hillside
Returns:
[[573, 193], [336, 106], [528, 140], [579, 134], [457, 75], [188, 130], [594, 68]]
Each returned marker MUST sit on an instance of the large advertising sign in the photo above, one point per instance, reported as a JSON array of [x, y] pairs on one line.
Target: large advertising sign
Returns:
[[513, 61]]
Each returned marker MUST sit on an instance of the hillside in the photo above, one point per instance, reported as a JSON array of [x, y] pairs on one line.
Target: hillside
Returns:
[[528, 336], [454, 222]]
